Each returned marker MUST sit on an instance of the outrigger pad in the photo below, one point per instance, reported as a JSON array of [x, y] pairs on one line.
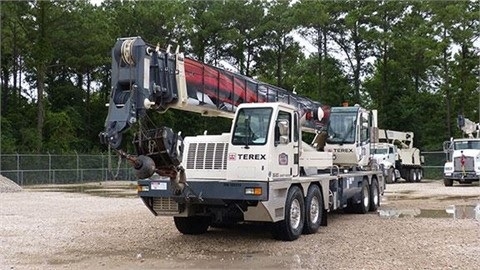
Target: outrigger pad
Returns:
[[162, 145]]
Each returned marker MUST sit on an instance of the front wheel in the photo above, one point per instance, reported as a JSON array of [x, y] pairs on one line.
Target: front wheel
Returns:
[[313, 210], [448, 182], [291, 227], [192, 225]]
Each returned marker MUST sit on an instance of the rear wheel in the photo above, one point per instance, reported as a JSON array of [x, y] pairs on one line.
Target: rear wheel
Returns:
[[192, 225], [313, 210], [412, 175], [448, 182], [364, 205], [418, 173], [374, 195], [291, 227], [391, 176]]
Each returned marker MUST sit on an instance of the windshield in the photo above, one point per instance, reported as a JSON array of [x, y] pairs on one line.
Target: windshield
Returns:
[[251, 126], [341, 128], [381, 151], [467, 145]]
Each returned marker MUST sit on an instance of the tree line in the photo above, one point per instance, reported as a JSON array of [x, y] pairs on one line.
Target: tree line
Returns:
[[416, 62]]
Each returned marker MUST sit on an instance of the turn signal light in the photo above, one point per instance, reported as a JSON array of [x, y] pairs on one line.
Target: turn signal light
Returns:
[[143, 188], [256, 191]]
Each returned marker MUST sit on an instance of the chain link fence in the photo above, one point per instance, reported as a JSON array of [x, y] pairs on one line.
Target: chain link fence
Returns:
[[32, 169], [433, 164]]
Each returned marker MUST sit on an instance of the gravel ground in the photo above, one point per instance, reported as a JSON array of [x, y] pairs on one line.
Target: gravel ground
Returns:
[[66, 229]]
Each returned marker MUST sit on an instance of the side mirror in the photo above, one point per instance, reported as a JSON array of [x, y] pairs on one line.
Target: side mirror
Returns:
[[447, 146]]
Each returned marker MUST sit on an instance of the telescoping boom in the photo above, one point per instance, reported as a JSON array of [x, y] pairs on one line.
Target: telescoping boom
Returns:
[[145, 77]]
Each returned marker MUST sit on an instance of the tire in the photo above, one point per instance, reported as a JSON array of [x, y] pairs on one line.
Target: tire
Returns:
[[391, 176], [291, 227], [412, 176], [192, 225], [313, 210], [364, 205], [374, 195], [418, 175], [448, 182], [405, 175]]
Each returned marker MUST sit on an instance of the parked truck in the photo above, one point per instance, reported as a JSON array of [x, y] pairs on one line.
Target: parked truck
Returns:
[[399, 158], [463, 155], [260, 171]]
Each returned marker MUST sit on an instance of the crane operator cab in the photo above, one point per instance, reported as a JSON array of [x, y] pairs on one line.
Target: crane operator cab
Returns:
[[349, 135]]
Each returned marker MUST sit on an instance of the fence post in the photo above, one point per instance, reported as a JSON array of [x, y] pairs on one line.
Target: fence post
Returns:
[[18, 169], [50, 176], [78, 166], [109, 169], [104, 173]]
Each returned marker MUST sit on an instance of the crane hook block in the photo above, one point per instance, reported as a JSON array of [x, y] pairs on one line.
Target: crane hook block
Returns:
[[162, 145]]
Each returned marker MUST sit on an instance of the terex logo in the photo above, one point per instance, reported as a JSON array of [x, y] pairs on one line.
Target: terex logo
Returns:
[[343, 150], [252, 156]]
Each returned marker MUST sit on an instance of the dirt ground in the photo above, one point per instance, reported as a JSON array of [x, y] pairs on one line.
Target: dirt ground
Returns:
[[105, 226]]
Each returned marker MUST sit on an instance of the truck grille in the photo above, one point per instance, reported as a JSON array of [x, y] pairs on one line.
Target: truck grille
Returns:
[[207, 156], [468, 164], [165, 206]]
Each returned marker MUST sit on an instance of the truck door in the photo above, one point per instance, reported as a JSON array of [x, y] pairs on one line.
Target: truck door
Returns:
[[392, 154], [284, 150], [296, 144]]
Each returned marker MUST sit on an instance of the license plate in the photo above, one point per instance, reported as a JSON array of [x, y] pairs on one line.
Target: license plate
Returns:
[[158, 186]]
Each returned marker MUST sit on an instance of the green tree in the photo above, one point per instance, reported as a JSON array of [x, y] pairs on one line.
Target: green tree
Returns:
[[244, 37], [313, 20], [281, 53]]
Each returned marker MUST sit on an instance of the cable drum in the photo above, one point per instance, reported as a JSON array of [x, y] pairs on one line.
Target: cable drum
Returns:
[[126, 52]]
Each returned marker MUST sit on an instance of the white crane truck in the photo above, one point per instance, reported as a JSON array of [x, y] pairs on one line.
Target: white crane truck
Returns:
[[463, 155], [399, 158], [261, 171]]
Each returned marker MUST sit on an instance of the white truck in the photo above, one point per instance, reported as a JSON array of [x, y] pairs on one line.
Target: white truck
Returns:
[[261, 171], [463, 155], [399, 158]]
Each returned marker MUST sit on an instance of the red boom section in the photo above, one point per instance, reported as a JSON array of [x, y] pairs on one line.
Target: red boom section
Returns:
[[226, 90]]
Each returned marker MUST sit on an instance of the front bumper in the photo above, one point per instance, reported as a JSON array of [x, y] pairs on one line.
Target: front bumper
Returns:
[[204, 191], [462, 177]]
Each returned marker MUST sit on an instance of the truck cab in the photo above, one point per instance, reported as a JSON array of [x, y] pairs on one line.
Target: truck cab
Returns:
[[348, 138], [463, 161], [387, 154], [265, 142]]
